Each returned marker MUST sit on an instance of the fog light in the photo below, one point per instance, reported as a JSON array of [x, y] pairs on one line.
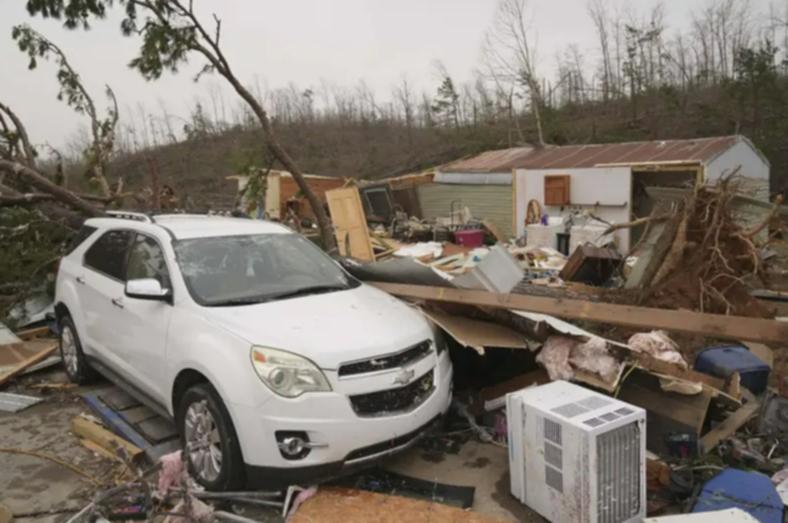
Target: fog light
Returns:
[[293, 445]]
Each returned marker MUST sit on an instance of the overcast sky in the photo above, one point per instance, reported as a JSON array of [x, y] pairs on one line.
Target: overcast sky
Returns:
[[300, 41]]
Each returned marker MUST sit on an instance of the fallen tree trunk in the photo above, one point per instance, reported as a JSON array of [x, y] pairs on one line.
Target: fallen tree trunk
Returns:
[[40, 182], [712, 325]]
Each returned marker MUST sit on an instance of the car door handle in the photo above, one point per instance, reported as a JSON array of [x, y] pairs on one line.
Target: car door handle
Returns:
[[117, 302], [80, 280]]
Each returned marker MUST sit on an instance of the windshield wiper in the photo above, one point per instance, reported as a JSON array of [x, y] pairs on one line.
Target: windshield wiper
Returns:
[[237, 301], [314, 289]]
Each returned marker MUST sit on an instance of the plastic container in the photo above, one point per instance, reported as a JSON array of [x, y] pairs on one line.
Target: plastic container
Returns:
[[725, 360], [751, 492], [470, 238]]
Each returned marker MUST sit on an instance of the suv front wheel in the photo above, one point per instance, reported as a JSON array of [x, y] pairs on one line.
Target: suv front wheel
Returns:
[[77, 367], [209, 441]]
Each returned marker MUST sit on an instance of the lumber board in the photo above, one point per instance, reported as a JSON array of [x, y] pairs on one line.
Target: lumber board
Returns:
[[730, 425], [35, 351], [86, 429], [713, 325], [36, 332]]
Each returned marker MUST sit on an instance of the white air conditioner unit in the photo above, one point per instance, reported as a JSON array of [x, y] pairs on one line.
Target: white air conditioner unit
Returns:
[[576, 455]]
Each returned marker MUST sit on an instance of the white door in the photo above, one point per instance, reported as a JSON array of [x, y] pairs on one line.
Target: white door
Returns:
[[147, 321], [101, 296]]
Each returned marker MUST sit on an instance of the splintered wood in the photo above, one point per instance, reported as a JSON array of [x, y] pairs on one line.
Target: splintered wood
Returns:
[[350, 223], [343, 505], [18, 352], [712, 325]]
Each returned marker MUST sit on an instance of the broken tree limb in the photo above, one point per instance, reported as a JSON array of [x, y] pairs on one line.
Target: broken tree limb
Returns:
[[634, 223], [40, 182], [714, 325]]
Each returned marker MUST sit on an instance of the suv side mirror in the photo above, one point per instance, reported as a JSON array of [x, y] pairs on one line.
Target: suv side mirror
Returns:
[[147, 289]]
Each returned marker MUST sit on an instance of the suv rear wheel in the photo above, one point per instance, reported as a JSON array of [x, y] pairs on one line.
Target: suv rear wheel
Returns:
[[209, 441], [77, 367]]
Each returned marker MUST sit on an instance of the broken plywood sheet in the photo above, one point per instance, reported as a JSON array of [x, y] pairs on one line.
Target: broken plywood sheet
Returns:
[[344, 505], [666, 412], [350, 223], [476, 334], [15, 358]]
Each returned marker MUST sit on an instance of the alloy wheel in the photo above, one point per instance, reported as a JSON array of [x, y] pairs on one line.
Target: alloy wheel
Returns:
[[203, 441]]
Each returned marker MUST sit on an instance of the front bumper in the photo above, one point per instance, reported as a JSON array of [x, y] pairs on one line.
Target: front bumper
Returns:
[[261, 477], [344, 440]]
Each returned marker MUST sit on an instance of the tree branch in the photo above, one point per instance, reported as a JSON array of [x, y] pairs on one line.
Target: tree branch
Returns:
[[21, 132], [40, 182]]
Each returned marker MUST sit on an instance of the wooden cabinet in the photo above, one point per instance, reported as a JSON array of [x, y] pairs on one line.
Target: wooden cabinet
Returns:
[[556, 189]]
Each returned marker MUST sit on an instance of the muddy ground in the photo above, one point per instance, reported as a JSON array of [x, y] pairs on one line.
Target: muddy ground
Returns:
[[36, 489]]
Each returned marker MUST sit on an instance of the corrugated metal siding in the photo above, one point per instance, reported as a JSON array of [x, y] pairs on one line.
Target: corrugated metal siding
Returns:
[[488, 202]]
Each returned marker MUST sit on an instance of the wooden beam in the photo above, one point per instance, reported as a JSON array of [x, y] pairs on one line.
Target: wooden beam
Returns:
[[86, 429], [731, 424], [713, 325], [38, 350]]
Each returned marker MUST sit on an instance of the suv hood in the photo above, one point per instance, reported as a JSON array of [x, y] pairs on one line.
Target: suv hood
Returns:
[[329, 329]]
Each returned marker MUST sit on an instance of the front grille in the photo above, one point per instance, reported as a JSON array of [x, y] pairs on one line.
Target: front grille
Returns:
[[390, 444], [618, 474], [400, 359], [394, 400]]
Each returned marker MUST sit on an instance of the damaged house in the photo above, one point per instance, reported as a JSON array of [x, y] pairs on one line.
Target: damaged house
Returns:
[[619, 182]]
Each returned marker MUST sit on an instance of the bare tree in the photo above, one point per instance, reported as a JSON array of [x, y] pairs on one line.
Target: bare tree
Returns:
[[597, 9], [510, 55], [405, 101]]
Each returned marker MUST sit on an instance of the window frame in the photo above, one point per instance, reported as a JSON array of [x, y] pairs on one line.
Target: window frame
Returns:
[[163, 254], [125, 257]]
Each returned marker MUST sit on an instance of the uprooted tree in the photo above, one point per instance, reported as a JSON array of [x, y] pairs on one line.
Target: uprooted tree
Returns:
[[170, 31]]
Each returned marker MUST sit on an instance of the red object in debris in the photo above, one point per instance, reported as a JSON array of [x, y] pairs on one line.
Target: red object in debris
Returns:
[[470, 238]]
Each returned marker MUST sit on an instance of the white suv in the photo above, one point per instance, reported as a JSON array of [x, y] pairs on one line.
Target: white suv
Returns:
[[276, 365]]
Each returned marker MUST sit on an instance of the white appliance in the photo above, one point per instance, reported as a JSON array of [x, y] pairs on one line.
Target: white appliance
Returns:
[[576, 455]]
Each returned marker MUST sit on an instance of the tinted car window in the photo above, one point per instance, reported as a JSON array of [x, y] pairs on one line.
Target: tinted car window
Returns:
[[108, 254], [146, 260], [84, 232]]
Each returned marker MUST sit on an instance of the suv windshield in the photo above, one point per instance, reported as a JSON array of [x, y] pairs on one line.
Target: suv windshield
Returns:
[[240, 270]]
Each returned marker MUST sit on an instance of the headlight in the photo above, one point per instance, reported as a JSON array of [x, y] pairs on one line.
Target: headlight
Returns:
[[287, 374]]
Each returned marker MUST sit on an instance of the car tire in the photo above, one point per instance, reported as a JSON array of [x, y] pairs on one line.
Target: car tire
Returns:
[[77, 367], [213, 454]]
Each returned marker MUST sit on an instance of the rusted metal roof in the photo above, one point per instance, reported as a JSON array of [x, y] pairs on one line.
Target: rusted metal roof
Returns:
[[489, 161], [693, 151]]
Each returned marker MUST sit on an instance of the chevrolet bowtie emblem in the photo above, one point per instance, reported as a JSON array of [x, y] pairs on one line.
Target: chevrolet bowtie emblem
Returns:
[[404, 376]]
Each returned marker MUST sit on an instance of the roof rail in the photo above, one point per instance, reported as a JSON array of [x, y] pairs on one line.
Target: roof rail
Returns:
[[129, 215]]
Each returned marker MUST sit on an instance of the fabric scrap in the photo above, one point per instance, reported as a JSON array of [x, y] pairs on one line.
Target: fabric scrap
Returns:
[[554, 356], [172, 472], [594, 356], [658, 345]]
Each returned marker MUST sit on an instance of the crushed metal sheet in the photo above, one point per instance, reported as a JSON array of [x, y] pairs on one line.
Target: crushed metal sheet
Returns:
[[7, 337], [15, 402], [49, 362], [477, 334], [564, 327]]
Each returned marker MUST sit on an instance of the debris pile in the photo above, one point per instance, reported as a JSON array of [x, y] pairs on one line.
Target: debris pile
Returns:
[[711, 259]]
